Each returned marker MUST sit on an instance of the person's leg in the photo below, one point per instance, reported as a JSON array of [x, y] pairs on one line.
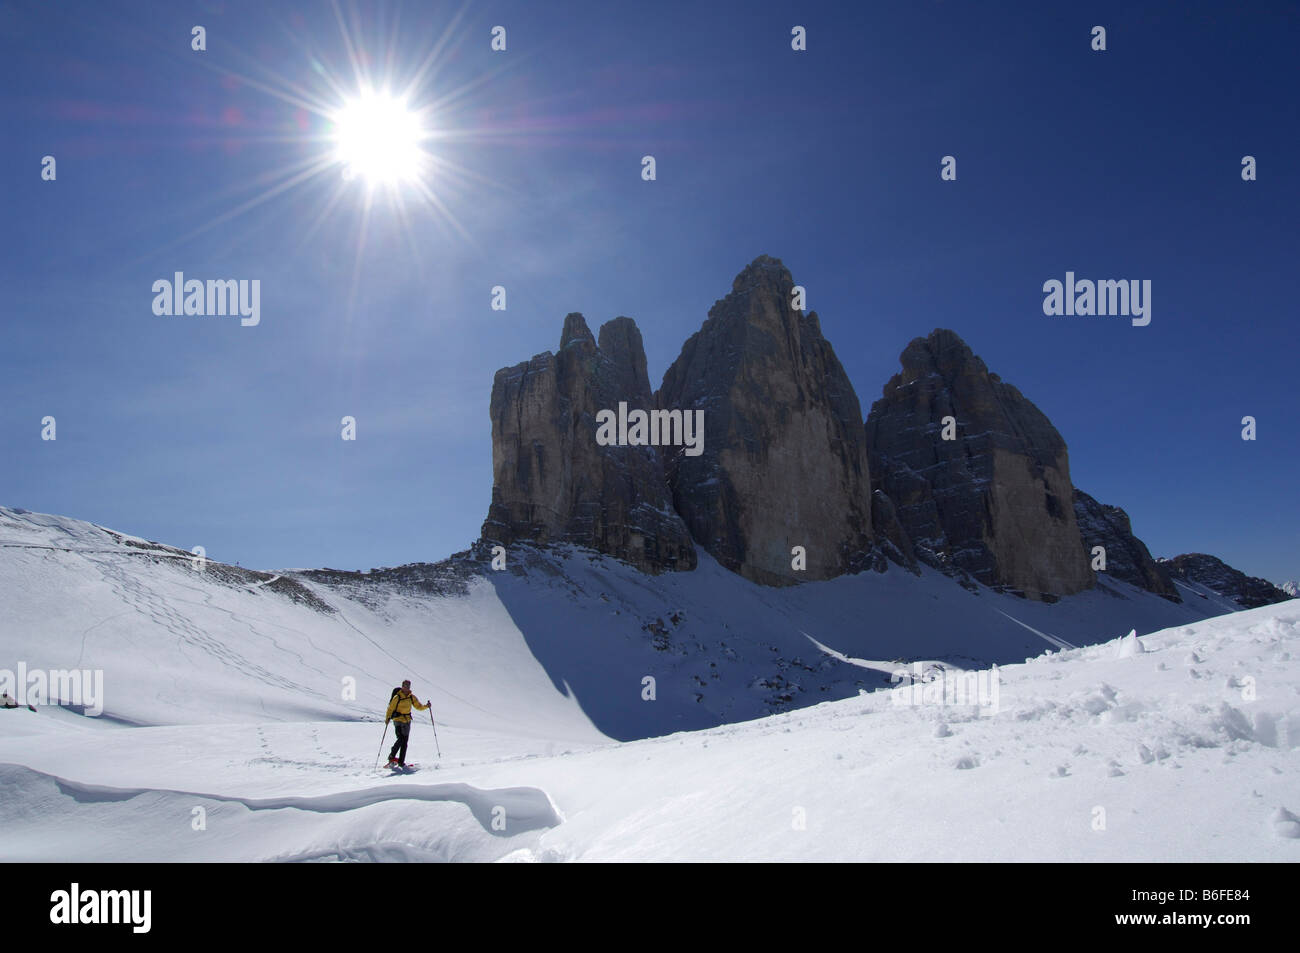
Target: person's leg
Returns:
[[404, 736], [397, 740]]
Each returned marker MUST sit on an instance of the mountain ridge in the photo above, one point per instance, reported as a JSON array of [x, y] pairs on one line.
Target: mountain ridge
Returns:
[[952, 466]]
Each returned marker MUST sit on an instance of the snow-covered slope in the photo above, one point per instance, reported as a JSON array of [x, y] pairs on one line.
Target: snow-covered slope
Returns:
[[559, 645], [1176, 747], [180, 645], [239, 715]]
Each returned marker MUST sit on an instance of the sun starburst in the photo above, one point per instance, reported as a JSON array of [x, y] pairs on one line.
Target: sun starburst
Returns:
[[378, 138]]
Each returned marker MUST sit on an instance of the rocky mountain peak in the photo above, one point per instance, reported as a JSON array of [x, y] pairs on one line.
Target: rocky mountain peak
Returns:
[[763, 273], [943, 352], [576, 332], [553, 481], [784, 461], [979, 476], [621, 344]]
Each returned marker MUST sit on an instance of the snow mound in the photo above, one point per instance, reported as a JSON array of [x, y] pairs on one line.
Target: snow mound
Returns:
[[1130, 645], [399, 822]]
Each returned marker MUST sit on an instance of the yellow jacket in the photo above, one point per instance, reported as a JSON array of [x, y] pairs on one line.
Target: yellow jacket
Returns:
[[399, 709]]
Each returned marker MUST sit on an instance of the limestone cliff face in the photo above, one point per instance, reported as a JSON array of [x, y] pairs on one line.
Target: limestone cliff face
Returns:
[[552, 482], [891, 536], [996, 502], [784, 461], [1127, 557]]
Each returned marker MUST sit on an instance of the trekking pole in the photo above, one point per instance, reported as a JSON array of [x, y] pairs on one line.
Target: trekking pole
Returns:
[[435, 733], [381, 745]]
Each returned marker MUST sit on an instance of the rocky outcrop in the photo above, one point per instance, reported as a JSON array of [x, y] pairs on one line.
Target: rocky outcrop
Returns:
[[552, 481], [1249, 592], [784, 460], [892, 538], [995, 501], [1127, 557], [969, 476]]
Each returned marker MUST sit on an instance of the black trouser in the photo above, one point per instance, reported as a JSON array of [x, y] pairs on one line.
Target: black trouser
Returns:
[[403, 732]]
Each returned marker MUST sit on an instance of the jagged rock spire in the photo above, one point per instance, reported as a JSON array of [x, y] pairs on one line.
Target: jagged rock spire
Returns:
[[995, 501], [784, 461]]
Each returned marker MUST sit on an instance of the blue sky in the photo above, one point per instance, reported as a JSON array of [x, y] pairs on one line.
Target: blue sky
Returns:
[[197, 431]]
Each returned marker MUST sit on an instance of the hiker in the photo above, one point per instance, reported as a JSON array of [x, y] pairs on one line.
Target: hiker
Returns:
[[399, 713]]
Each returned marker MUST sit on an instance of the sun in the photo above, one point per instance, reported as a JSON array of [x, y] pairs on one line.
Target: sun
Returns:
[[380, 146], [377, 138]]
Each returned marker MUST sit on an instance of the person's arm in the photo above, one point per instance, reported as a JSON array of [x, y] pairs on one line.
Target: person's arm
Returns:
[[416, 702], [392, 704]]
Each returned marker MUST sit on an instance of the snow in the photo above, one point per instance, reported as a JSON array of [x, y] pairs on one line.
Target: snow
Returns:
[[1130, 645], [226, 734], [1193, 592]]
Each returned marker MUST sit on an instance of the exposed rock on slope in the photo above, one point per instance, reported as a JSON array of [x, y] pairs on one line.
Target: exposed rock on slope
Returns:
[[784, 461], [995, 502], [553, 482], [1214, 574], [893, 538], [1127, 557]]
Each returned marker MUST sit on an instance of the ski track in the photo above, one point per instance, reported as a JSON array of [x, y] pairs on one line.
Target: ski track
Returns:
[[134, 592]]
